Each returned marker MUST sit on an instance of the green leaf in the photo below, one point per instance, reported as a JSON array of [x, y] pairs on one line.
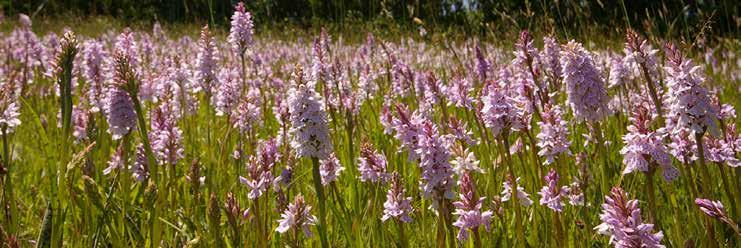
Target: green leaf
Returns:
[[44, 240]]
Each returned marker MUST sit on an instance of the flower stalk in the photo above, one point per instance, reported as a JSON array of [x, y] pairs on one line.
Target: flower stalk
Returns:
[[652, 195], [66, 63], [7, 183], [322, 226], [519, 231], [641, 53], [707, 185]]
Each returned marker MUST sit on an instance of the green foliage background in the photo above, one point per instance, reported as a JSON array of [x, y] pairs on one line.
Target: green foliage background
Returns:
[[664, 18]]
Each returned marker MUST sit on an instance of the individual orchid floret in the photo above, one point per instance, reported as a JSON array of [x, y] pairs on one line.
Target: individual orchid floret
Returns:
[[724, 111], [551, 57], [260, 168], [259, 178], [644, 150], [522, 196], [468, 209], [460, 133], [553, 138], [24, 21], [120, 113], [228, 93], [682, 146], [297, 215], [284, 180], [715, 210], [639, 53], [329, 169], [575, 194], [465, 161], [482, 65], [386, 117], [372, 165], [397, 206], [407, 127], [165, 135], [499, 112], [140, 168], [551, 194], [458, 92], [93, 57], [80, 122], [9, 109], [247, 113], [723, 150], [620, 73], [116, 162], [621, 220]]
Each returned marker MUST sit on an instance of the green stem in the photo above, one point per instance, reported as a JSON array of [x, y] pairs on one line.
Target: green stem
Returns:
[[653, 93], [296, 242], [321, 200], [402, 236], [266, 218], [691, 179], [652, 195], [65, 85], [261, 237], [339, 200], [350, 145], [686, 169], [244, 74], [707, 186], [125, 182], [236, 240], [559, 229], [151, 162], [519, 231], [445, 114], [535, 150], [441, 231], [476, 238], [6, 148], [726, 186], [600, 150], [209, 158], [449, 223], [152, 167], [8, 185]]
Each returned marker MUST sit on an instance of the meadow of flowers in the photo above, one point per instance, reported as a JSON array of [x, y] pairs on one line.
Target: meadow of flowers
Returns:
[[138, 138]]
